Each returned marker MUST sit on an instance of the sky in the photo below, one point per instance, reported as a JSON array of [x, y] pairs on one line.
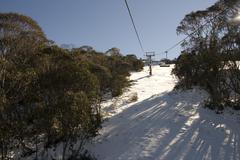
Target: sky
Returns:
[[104, 24]]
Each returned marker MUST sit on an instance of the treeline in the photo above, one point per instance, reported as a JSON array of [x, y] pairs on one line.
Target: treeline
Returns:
[[211, 56], [168, 61], [50, 97]]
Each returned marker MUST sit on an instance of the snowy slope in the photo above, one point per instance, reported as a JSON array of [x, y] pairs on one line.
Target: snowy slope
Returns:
[[165, 124]]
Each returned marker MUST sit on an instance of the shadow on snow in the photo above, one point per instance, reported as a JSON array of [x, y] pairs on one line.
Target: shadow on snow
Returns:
[[168, 126]]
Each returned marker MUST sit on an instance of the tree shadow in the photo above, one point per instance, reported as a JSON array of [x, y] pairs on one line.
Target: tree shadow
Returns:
[[170, 126], [135, 80]]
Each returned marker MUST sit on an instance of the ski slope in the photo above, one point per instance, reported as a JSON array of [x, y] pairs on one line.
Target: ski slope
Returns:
[[164, 124]]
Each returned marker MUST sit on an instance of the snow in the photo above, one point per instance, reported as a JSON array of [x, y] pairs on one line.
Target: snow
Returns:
[[164, 124]]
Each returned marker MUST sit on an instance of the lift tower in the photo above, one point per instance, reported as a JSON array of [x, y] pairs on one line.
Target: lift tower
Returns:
[[149, 55]]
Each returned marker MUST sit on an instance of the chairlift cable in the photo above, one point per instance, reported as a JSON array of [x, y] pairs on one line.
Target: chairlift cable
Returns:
[[134, 26]]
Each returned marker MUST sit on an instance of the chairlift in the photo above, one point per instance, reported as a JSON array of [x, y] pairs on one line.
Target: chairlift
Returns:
[[163, 64]]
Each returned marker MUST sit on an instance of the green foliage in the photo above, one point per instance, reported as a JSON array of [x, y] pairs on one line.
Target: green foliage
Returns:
[[211, 54], [15, 26], [135, 64], [103, 75], [111, 68], [50, 96]]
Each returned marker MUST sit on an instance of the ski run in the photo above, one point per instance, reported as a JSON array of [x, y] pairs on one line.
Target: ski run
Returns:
[[164, 124]]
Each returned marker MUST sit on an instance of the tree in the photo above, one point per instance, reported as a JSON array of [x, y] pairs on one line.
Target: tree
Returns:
[[135, 63], [76, 117], [207, 53], [20, 39], [49, 96], [113, 52], [57, 102]]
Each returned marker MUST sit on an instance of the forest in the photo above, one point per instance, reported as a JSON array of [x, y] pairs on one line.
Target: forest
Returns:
[[50, 96]]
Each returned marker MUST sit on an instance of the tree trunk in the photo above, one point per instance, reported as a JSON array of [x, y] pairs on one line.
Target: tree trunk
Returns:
[[65, 148], [2, 150], [36, 146]]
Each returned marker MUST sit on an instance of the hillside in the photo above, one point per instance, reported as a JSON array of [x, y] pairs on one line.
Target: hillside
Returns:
[[165, 124]]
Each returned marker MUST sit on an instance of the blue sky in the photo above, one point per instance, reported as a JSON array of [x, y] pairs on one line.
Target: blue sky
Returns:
[[104, 24]]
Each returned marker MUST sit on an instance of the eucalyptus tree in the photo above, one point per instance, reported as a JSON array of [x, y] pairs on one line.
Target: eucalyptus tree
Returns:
[[209, 50]]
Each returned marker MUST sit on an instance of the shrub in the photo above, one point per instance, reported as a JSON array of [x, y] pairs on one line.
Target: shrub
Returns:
[[133, 98], [50, 97]]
